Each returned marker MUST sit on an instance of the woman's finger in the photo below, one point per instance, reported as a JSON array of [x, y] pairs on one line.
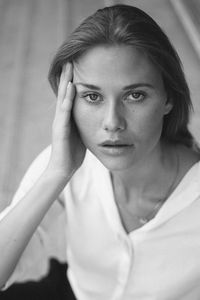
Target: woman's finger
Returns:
[[66, 76], [69, 97], [64, 107], [62, 85]]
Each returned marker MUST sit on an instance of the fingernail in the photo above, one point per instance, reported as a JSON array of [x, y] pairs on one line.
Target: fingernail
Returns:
[[69, 85]]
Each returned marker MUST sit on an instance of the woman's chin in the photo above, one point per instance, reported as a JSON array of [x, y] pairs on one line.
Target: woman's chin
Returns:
[[116, 163]]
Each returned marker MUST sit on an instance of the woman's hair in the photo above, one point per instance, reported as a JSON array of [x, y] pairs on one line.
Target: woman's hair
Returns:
[[128, 25]]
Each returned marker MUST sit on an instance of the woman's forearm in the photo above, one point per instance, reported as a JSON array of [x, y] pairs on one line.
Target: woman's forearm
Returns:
[[18, 226], [67, 155]]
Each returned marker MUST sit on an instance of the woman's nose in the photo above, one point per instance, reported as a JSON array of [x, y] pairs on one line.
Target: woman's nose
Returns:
[[114, 118]]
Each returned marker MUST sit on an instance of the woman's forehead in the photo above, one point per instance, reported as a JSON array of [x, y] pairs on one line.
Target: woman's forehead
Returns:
[[121, 63]]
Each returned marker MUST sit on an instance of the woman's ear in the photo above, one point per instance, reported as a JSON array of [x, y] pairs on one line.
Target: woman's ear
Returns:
[[168, 107]]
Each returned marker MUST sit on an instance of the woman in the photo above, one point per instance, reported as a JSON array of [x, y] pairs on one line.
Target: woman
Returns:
[[132, 198]]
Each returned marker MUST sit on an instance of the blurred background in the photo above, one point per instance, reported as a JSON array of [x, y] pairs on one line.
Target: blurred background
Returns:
[[30, 33]]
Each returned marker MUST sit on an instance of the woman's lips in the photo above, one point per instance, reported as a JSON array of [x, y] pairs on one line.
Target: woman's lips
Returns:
[[115, 147]]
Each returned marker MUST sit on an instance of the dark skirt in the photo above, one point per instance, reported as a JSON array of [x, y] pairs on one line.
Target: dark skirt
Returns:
[[54, 286]]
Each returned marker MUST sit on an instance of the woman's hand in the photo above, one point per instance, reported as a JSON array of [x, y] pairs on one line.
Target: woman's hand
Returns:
[[68, 150]]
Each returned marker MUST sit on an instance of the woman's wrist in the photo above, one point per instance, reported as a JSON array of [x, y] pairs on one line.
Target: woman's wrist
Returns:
[[57, 176]]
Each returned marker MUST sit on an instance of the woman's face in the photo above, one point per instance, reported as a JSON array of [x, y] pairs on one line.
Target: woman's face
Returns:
[[119, 106]]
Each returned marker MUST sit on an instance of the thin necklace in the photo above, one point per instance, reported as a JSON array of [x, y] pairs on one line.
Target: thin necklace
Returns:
[[145, 219]]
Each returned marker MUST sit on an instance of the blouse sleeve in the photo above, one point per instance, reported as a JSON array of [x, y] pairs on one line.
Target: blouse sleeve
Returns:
[[49, 239]]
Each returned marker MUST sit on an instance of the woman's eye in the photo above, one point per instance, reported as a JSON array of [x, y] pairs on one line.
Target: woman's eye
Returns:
[[135, 97], [92, 98]]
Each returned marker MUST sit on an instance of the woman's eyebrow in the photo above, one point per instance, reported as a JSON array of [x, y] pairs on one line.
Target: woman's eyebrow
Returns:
[[127, 87], [89, 86], [136, 85]]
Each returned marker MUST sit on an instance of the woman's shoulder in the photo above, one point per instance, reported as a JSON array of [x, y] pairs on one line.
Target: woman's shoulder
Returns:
[[188, 156], [187, 159]]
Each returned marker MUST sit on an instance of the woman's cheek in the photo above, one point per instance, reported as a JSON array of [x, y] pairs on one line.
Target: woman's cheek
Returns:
[[155, 114], [148, 124]]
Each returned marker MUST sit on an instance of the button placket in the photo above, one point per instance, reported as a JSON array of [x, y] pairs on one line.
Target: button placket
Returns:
[[124, 266]]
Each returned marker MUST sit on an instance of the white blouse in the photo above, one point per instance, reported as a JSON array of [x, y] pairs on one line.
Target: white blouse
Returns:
[[158, 261]]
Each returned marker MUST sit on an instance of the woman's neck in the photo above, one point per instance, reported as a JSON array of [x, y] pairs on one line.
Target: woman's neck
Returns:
[[149, 175]]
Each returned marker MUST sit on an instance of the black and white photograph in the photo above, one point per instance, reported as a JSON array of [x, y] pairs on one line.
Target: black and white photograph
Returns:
[[100, 150]]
